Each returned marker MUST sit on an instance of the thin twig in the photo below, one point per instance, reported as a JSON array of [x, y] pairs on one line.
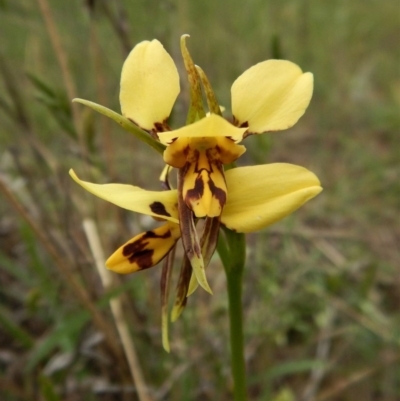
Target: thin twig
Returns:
[[65, 72], [10, 82], [107, 143], [119, 24], [92, 235], [59, 50]]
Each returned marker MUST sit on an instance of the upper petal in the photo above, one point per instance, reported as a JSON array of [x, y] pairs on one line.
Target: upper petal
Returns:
[[211, 126], [161, 204], [271, 96], [259, 196], [149, 84]]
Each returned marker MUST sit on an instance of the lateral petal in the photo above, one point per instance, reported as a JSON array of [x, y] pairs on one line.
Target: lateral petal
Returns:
[[149, 84], [271, 96], [144, 250], [162, 204], [259, 196]]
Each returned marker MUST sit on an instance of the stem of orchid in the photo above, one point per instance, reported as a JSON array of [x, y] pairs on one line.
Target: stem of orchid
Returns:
[[232, 250]]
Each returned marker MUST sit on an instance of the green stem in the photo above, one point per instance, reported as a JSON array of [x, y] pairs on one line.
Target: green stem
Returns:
[[232, 251], [236, 336]]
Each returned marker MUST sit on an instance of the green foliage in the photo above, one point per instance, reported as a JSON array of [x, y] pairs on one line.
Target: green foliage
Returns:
[[58, 104]]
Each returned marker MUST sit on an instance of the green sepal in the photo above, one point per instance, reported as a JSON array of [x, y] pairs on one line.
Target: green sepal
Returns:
[[182, 289], [164, 287], [208, 244], [125, 123], [196, 108], [212, 103]]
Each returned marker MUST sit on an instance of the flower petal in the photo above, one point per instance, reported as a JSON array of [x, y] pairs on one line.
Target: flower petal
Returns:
[[161, 204], [145, 250], [259, 196], [271, 96], [211, 126], [149, 84]]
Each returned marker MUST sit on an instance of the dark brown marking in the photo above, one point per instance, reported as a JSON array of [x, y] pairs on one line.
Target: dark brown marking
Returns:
[[197, 191], [214, 164], [136, 251], [217, 192], [159, 208], [162, 127], [235, 122]]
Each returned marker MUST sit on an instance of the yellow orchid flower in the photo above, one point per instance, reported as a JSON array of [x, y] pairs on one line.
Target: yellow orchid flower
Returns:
[[270, 96]]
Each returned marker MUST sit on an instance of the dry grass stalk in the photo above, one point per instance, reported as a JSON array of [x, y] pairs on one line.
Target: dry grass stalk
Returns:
[[92, 235]]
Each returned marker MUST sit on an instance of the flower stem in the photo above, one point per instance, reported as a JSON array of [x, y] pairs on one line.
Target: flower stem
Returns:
[[236, 336], [232, 251]]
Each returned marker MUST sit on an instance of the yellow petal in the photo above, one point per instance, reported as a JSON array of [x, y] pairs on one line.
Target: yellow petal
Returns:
[[271, 96], [161, 204], [145, 250], [149, 84], [211, 126], [175, 155], [259, 196]]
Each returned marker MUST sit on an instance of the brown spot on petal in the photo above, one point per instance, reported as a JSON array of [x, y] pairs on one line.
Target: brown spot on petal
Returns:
[[218, 193], [196, 192], [136, 251], [245, 124], [159, 208], [162, 127]]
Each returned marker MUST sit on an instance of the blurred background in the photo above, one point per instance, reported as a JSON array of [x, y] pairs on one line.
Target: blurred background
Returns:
[[321, 288]]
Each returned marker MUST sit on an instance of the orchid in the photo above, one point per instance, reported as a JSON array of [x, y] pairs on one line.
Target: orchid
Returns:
[[270, 96]]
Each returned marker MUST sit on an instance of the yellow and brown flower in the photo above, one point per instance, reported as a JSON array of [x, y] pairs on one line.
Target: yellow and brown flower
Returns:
[[270, 96]]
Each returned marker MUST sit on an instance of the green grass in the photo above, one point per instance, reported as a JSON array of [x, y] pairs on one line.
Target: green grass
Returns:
[[321, 288]]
